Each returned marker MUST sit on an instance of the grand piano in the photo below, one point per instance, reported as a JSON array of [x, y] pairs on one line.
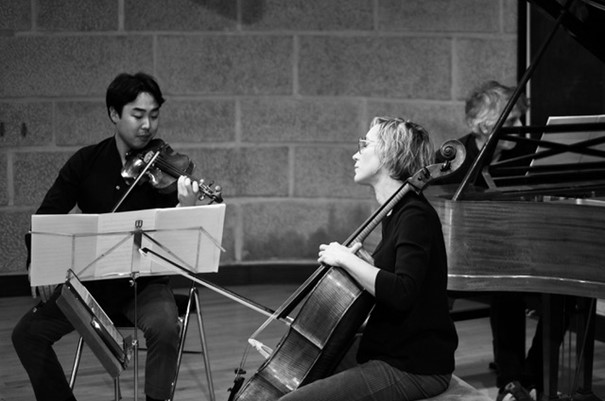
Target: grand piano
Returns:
[[539, 226]]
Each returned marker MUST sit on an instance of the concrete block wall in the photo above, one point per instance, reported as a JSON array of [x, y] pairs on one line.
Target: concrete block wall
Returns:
[[268, 97]]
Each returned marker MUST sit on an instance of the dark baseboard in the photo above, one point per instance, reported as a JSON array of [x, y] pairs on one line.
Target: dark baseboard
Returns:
[[18, 285]]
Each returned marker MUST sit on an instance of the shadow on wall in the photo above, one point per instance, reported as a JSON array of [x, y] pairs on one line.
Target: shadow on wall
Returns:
[[252, 10]]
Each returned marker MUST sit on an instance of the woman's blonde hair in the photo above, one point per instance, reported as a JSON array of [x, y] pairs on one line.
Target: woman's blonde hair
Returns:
[[402, 146]]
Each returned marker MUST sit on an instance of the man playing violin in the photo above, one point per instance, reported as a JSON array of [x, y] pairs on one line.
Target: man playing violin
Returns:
[[91, 180]]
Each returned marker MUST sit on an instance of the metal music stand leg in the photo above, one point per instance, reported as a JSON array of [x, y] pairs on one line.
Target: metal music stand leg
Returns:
[[136, 264], [193, 297], [135, 347]]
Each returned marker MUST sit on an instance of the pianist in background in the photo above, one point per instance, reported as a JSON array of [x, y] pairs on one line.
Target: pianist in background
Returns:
[[482, 109], [407, 347], [519, 377], [91, 180]]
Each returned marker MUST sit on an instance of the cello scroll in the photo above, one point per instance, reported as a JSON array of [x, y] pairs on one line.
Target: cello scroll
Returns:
[[454, 154]]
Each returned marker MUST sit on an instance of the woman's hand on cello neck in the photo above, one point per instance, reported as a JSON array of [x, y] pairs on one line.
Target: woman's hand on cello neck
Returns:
[[335, 254]]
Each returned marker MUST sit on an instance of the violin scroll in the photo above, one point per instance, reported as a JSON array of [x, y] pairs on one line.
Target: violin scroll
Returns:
[[210, 191]]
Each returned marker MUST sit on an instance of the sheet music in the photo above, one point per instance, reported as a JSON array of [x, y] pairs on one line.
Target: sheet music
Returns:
[[184, 223], [570, 138], [114, 227], [56, 242], [100, 246]]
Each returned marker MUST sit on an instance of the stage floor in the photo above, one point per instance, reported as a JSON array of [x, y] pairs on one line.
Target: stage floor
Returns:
[[228, 325]]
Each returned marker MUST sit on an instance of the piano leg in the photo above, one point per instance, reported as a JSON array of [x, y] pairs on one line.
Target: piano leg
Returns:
[[585, 347], [553, 309], [551, 324]]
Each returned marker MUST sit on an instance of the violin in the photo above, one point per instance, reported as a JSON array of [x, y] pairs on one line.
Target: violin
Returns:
[[160, 166]]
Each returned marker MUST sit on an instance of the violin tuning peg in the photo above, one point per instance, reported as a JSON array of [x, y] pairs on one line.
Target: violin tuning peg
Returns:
[[217, 196]]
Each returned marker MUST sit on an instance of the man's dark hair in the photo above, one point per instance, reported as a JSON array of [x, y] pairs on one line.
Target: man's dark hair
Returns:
[[126, 87]]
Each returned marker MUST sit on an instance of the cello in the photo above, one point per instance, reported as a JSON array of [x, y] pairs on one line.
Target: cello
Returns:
[[333, 311]]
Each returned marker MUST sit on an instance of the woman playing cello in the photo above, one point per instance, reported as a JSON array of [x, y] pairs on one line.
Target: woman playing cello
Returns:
[[406, 351]]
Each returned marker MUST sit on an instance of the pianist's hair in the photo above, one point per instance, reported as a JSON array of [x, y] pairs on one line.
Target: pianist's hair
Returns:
[[486, 102], [125, 88], [403, 147]]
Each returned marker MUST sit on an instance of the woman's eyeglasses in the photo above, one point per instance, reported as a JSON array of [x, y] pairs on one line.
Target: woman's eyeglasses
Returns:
[[363, 143]]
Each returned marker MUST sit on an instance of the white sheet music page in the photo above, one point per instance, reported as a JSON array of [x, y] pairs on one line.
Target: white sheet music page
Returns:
[[56, 248], [100, 246], [191, 237], [570, 138], [115, 253]]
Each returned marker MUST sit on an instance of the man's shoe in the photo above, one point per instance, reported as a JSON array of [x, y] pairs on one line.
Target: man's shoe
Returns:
[[513, 391]]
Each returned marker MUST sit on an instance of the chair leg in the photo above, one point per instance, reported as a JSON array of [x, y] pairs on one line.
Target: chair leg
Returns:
[[193, 297], [76, 364]]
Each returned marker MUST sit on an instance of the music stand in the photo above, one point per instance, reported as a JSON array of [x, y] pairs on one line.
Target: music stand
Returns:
[[172, 226]]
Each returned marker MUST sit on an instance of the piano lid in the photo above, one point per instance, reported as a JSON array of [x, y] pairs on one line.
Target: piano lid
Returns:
[[584, 21]]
